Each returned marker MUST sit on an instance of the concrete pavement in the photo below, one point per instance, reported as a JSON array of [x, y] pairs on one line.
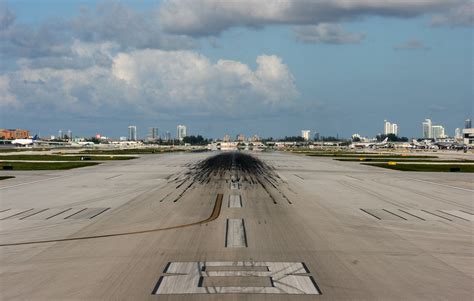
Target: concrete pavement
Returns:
[[329, 230]]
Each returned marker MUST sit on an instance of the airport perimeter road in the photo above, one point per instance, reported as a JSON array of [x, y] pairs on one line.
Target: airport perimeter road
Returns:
[[162, 227]]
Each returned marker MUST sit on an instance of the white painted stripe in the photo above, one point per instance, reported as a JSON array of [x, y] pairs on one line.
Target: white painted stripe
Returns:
[[235, 201], [11, 212], [16, 185], [443, 185], [460, 214], [235, 234], [190, 278]]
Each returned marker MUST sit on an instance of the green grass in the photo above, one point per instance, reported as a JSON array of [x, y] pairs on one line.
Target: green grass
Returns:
[[426, 167], [61, 157], [6, 177], [22, 149], [369, 155], [130, 151], [401, 159], [45, 165]]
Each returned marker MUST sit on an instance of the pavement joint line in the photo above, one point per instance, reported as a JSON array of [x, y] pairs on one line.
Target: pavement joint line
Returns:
[[75, 213], [99, 213], [439, 184], [363, 210], [16, 214], [33, 182], [436, 215], [394, 214], [34, 213], [411, 214], [214, 215], [58, 213], [453, 215]]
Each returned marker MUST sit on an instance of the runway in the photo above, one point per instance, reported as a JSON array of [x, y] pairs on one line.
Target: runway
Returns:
[[283, 227]]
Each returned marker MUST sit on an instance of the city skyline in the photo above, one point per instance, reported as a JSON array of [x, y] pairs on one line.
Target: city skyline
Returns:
[[153, 133], [80, 70]]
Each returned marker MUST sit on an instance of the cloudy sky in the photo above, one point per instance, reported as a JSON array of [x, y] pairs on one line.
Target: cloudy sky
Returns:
[[237, 66]]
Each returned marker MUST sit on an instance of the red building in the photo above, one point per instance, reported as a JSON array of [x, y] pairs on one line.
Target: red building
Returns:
[[14, 134]]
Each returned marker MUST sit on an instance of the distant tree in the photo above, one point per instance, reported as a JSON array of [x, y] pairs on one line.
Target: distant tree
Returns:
[[391, 138], [195, 140], [329, 138], [293, 139], [93, 139]]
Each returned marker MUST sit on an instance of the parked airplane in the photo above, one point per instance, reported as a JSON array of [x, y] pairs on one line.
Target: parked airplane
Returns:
[[384, 143], [25, 142]]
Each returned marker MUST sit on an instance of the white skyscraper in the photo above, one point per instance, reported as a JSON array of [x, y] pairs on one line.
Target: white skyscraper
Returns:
[[387, 127], [395, 129], [305, 134], [457, 134], [437, 131], [132, 133], [181, 132], [427, 129], [390, 128], [153, 134]]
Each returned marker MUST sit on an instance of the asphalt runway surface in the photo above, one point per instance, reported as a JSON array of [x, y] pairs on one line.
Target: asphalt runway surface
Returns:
[[269, 226]]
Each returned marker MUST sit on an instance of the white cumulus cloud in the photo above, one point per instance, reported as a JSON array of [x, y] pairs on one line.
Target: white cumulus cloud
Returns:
[[154, 81], [326, 33], [211, 17]]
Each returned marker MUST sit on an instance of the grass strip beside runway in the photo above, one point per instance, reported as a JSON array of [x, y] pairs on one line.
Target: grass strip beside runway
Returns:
[[62, 158], [356, 155], [43, 165], [399, 159], [426, 167]]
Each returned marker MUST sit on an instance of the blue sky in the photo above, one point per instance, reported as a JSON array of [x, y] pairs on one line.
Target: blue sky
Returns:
[[96, 67]]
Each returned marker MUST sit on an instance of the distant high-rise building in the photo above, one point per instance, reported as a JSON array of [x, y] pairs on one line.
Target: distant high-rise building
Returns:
[[390, 128], [167, 136], [317, 136], [427, 129], [457, 134], [395, 129], [226, 138], [132, 133], [69, 134], [60, 134], [153, 134], [240, 137], [255, 138], [437, 131], [181, 132], [467, 124], [305, 134], [387, 127]]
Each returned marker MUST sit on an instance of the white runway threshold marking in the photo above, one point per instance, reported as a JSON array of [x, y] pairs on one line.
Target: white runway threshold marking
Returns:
[[234, 277], [235, 233], [235, 201]]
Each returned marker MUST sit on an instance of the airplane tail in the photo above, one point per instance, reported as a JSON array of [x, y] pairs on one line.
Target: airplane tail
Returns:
[[35, 137], [385, 140]]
